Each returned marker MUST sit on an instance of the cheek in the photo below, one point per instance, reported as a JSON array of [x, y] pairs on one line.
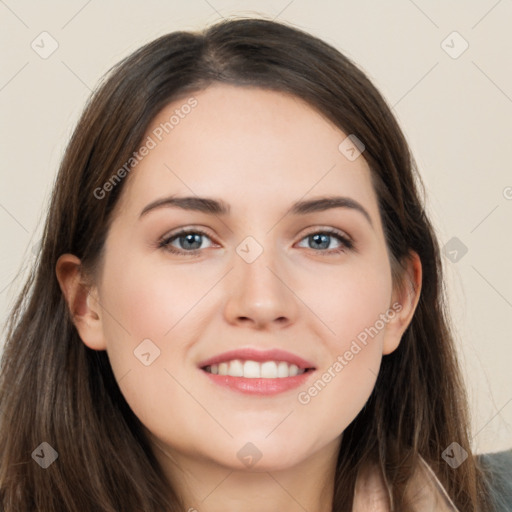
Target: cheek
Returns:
[[141, 303], [347, 376], [339, 392], [144, 300], [352, 306], [349, 300], [149, 299]]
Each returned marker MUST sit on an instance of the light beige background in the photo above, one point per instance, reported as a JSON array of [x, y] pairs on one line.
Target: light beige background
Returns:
[[456, 113]]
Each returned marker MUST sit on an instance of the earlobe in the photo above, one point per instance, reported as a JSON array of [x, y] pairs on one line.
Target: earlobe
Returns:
[[404, 302], [82, 301]]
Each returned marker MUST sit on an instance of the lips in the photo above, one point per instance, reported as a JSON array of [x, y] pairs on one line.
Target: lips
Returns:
[[257, 372]]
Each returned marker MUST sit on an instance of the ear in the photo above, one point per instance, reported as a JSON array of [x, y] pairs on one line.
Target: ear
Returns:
[[82, 300], [403, 303]]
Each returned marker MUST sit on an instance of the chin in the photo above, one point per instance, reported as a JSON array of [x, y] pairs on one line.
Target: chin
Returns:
[[274, 453]]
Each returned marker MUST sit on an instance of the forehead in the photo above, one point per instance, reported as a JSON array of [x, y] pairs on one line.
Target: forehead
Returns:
[[248, 145]]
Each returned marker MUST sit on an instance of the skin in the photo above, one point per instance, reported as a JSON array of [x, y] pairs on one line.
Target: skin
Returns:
[[259, 151]]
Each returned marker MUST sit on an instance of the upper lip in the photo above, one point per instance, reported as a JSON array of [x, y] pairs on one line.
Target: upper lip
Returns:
[[252, 354]]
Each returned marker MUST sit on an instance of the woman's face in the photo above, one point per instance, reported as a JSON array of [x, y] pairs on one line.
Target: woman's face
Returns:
[[260, 271]]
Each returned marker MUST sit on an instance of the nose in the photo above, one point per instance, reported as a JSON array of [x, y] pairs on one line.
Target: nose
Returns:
[[260, 295]]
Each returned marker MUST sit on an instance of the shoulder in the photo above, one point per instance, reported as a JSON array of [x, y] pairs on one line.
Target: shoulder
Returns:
[[497, 468], [427, 493], [424, 491]]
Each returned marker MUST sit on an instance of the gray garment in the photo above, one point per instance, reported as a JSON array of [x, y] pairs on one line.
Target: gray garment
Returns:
[[498, 468]]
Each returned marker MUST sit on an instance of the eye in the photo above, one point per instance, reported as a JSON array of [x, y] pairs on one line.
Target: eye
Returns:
[[189, 240], [319, 240]]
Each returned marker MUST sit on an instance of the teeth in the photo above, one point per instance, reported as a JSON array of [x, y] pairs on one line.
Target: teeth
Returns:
[[282, 369], [269, 370], [254, 370], [294, 370], [235, 369]]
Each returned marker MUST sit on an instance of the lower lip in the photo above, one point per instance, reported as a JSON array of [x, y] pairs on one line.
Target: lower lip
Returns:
[[259, 386]]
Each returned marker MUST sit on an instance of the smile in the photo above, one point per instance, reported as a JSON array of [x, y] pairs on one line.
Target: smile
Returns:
[[259, 372], [255, 369]]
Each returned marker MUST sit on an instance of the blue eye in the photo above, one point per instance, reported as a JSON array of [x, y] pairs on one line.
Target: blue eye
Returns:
[[323, 239], [190, 240]]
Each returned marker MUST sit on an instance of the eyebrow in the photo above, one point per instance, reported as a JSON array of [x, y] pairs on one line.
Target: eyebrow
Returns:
[[219, 207]]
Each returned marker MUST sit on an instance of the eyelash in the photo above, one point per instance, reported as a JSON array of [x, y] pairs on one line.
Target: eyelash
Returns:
[[347, 244]]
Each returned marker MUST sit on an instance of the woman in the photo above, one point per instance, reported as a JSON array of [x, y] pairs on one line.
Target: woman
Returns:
[[268, 369]]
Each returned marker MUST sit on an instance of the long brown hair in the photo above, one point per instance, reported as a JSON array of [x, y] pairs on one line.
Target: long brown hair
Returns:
[[54, 389]]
